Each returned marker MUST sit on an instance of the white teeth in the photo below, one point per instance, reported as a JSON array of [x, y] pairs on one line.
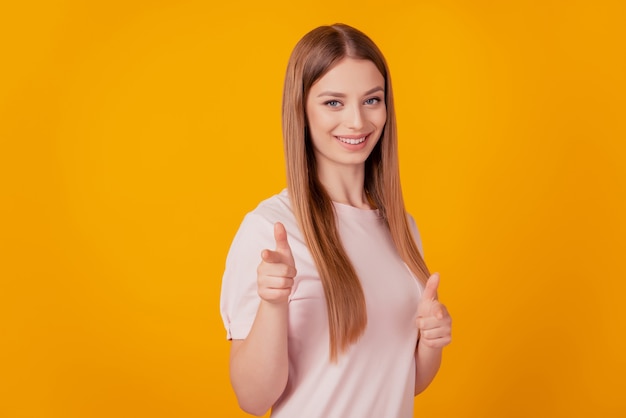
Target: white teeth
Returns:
[[351, 141]]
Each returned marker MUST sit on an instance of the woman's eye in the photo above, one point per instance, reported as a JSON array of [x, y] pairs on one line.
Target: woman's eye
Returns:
[[332, 103], [372, 101]]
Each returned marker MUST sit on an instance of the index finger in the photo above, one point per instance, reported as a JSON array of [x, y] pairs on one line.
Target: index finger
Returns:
[[430, 290], [280, 235]]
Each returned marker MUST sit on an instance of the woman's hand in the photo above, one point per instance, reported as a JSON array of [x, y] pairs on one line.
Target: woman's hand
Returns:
[[277, 269], [259, 364], [433, 321]]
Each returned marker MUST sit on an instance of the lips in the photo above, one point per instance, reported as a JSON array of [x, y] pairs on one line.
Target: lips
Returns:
[[352, 139]]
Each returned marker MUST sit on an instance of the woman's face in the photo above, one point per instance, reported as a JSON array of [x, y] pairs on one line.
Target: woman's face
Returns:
[[346, 113]]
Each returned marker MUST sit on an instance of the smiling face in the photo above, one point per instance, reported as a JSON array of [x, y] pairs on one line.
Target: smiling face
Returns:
[[346, 113]]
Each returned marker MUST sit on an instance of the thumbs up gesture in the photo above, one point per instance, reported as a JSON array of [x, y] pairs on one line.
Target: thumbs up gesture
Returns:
[[277, 269], [433, 321]]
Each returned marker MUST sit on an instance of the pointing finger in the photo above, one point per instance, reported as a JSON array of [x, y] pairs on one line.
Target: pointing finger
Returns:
[[439, 312], [429, 322], [270, 256], [280, 235], [430, 290]]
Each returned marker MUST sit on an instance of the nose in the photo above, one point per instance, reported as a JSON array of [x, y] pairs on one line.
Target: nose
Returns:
[[355, 118]]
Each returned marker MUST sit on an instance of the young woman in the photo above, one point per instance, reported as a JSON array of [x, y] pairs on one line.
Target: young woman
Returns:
[[330, 307]]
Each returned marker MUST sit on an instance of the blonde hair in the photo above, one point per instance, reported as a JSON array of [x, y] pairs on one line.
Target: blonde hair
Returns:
[[314, 55]]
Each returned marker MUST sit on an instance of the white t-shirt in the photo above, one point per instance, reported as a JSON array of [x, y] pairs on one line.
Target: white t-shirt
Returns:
[[376, 376]]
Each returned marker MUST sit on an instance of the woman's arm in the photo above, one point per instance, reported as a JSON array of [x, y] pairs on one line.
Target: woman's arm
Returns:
[[434, 327], [427, 362], [259, 364]]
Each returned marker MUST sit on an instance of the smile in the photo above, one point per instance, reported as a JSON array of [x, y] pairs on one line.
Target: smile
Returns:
[[352, 141]]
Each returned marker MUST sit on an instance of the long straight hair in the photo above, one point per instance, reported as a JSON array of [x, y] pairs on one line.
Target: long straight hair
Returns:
[[313, 56]]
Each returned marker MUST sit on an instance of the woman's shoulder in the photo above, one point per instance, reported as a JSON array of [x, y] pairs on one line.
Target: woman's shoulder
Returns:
[[276, 208], [256, 228], [273, 208], [416, 233], [279, 201]]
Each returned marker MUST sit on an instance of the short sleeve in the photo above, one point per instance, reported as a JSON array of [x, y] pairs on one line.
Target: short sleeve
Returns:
[[416, 234], [240, 300]]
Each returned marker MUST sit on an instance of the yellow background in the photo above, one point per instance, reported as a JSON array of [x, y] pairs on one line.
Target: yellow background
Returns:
[[136, 135]]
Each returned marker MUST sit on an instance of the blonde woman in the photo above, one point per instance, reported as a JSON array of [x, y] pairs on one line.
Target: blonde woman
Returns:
[[330, 307]]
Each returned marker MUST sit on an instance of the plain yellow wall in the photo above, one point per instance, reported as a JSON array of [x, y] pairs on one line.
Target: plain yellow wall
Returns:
[[136, 135]]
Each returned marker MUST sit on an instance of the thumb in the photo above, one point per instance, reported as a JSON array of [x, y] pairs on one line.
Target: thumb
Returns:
[[430, 290], [280, 235]]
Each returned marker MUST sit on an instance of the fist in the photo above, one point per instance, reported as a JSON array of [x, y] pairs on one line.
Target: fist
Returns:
[[434, 324], [277, 269]]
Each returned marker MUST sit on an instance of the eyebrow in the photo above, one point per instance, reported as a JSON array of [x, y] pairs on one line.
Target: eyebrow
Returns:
[[335, 94]]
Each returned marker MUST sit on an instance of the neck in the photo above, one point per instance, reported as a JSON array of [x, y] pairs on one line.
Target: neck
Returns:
[[345, 185]]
